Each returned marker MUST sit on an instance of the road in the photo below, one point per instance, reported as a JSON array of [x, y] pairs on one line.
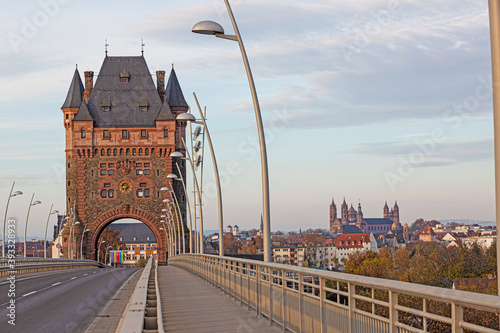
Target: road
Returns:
[[58, 301]]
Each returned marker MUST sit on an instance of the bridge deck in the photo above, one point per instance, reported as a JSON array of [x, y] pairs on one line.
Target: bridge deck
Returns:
[[190, 304]]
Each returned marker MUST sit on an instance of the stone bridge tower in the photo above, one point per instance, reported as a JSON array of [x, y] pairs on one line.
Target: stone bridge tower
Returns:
[[119, 136]]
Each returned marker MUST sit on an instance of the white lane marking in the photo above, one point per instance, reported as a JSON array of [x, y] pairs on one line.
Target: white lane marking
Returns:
[[29, 293], [94, 272], [74, 277], [55, 284], [85, 274]]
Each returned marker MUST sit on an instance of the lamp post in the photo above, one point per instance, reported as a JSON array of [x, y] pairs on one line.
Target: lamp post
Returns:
[[32, 203], [166, 235], [72, 236], [5, 217], [81, 242], [181, 179], [106, 254], [99, 249], [217, 179], [51, 212], [213, 28], [494, 13], [176, 205], [178, 154], [175, 234]]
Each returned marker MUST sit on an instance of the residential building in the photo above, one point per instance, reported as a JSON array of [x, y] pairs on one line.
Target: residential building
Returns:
[[350, 244], [428, 235], [292, 255]]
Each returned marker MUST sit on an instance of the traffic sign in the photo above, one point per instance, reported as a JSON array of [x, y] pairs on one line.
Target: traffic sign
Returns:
[[58, 245], [137, 250], [173, 244], [149, 250]]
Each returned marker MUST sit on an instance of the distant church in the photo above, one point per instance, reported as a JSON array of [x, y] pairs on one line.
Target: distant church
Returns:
[[352, 221]]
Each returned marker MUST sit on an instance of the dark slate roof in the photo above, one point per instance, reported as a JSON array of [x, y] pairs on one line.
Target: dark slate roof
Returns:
[[75, 92], [378, 221], [124, 98], [165, 112], [174, 91], [83, 113], [138, 230], [350, 229]]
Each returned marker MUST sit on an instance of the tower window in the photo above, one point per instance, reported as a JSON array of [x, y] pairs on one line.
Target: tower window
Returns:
[[143, 133], [165, 133], [124, 133], [111, 193], [105, 134], [83, 134], [104, 193]]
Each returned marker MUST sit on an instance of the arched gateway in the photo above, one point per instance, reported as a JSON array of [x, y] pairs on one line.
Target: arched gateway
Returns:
[[119, 136]]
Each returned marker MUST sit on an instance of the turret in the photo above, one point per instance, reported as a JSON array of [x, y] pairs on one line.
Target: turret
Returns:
[[386, 210], [351, 216], [359, 215], [333, 212], [395, 214], [344, 213]]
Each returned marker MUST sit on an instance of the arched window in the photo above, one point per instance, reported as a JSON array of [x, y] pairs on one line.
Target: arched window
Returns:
[[102, 152], [109, 151], [115, 152], [152, 151], [140, 151], [160, 152], [128, 151], [134, 152], [146, 151], [121, 151], [96, 151]]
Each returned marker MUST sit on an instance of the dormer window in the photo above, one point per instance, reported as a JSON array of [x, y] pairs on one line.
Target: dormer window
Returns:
[[143, 106], [106, 106], [124, 76]]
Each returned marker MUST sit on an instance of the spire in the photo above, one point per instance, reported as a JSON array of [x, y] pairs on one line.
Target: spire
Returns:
[[165, 112], [75, 92], [385, 206], [174, 91], [83, 113], [396, 207], [359, 208]]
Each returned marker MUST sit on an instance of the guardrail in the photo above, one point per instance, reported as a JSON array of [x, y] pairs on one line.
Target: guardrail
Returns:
[[310, 300], [142, 314], [31, 265]]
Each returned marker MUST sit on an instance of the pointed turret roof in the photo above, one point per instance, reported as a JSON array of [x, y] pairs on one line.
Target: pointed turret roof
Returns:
[[174, 91], [385, 206], [359, 208], [75, 92], [165, 112], [396, 205], [83, 113], [344, 203]]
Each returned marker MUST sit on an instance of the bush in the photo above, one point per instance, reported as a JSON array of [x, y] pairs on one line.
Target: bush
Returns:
[[141, 262]]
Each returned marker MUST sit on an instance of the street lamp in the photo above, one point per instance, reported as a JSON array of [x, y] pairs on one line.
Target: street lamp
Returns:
[[171, 216], [81, 242], [51, 212], [179, 154], [32, 203], [217, 179], [99, 249], [181, 179], [213, 28], [179, 214], [106, 254], [72, 235], [5, 218]]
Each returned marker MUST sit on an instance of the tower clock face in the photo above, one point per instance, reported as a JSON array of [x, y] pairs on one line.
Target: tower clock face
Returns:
[[125, 186]]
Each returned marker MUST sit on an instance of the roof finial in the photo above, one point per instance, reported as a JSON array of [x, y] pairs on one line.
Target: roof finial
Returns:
[[142, 46], [76, 66], [172, 65], [106, 47]]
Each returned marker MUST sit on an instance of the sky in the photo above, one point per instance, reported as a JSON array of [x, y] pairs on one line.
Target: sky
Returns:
[[370, 101]]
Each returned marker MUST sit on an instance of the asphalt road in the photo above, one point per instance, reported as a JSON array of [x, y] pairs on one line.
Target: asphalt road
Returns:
[[58, 301]]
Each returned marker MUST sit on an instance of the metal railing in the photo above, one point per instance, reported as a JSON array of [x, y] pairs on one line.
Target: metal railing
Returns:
[[310, 300], [31, 265]]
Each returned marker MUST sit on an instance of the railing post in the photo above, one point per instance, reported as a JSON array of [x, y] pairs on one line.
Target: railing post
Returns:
[[283, 299], [301, 303], [457, 316], [322, 304], [257, 276], [352, 305], [270, 277], [393, 312]]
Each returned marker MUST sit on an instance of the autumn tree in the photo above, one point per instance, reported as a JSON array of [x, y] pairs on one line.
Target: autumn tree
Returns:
[[231, 244], [251, 245], [109, 240]]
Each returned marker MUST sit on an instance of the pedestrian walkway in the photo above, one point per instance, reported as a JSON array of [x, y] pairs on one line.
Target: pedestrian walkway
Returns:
[[190, 304]]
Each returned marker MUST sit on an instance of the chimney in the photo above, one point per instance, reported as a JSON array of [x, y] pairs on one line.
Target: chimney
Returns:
[[160, 84], [89, 85]]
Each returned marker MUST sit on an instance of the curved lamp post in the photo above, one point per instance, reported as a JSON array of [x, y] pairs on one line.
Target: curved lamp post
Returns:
[[217, 180], [176, 217], [175, 234], [176, 205], [5, 217], [32, 203], [51, 212], [178, 154], [99, 249], [166, 235], [81, 242], [181, 179], [72, 235], [213, 28]]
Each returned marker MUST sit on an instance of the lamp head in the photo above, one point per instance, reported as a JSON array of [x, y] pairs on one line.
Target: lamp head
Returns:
[[54, 212], [164, 210], [166, 200], [162, 221], [186, 116], [176, 154], [172, 176], [208, 28], [37, 202], [164, 189], [17, 193], [163, 216]]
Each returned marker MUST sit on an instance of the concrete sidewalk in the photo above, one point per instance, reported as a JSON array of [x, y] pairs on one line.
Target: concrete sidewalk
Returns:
[[190, 304]]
